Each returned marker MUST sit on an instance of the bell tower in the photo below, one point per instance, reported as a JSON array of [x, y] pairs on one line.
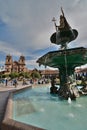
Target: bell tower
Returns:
[[22, 64], [8, 63], [22, 60]]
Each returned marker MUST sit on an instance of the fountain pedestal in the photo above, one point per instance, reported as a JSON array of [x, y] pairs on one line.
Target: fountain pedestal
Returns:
[[65, 59]]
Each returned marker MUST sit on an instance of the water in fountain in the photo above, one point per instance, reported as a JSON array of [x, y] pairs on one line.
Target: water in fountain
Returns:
[[39, 108], [69, 100]]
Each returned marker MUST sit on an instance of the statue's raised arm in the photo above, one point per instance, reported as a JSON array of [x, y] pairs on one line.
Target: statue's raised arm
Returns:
[[63, 22], [62, 12]]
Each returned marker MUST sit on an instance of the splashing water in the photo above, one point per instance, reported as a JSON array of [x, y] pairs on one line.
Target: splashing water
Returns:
[[69, 100]]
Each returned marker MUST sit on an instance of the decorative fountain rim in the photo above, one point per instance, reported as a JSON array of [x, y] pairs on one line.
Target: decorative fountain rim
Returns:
[[8, 122]]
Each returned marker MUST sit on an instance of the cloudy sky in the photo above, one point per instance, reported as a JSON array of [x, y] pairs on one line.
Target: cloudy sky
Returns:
[[26, 27]]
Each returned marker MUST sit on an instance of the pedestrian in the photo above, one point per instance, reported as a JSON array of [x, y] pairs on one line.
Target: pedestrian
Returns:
[[6, 82], [15, 83]]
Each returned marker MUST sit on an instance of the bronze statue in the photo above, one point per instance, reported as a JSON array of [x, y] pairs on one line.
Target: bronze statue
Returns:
[[64, 33], [63, 22]]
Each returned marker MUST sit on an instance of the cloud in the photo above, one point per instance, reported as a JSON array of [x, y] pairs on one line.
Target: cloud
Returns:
[[7, 49], [26, 26], [33, 64]]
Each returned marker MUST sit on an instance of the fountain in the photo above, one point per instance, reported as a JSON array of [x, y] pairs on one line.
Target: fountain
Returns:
[[65, 59]]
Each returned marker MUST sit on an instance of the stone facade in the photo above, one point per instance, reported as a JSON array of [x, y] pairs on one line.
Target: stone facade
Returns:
[[15, 66]]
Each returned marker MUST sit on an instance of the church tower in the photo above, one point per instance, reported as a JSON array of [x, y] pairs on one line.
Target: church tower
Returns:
[[21, 64], [8, 63]]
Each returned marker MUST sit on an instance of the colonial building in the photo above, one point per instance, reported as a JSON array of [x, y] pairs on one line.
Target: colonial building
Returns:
[[49, 73], [15, 66]]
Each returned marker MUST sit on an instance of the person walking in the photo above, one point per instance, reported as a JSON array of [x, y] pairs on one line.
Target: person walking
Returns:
[[6, 82], [15, 83]]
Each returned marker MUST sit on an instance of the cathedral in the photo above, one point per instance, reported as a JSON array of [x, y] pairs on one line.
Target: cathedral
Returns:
[[15, 66]]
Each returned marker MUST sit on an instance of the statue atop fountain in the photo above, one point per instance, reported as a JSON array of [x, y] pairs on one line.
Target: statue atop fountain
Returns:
[[64, 59], [63, 23], [64, 33]]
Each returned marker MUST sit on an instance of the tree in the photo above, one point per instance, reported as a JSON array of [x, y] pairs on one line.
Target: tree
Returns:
[[35, 74], [14, 75], [24, 74]]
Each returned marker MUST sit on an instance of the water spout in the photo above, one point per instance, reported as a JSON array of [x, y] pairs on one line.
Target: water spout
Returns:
[[69, 100]]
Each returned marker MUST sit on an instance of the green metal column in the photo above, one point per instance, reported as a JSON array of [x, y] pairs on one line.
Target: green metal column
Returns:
[[63, 74]]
